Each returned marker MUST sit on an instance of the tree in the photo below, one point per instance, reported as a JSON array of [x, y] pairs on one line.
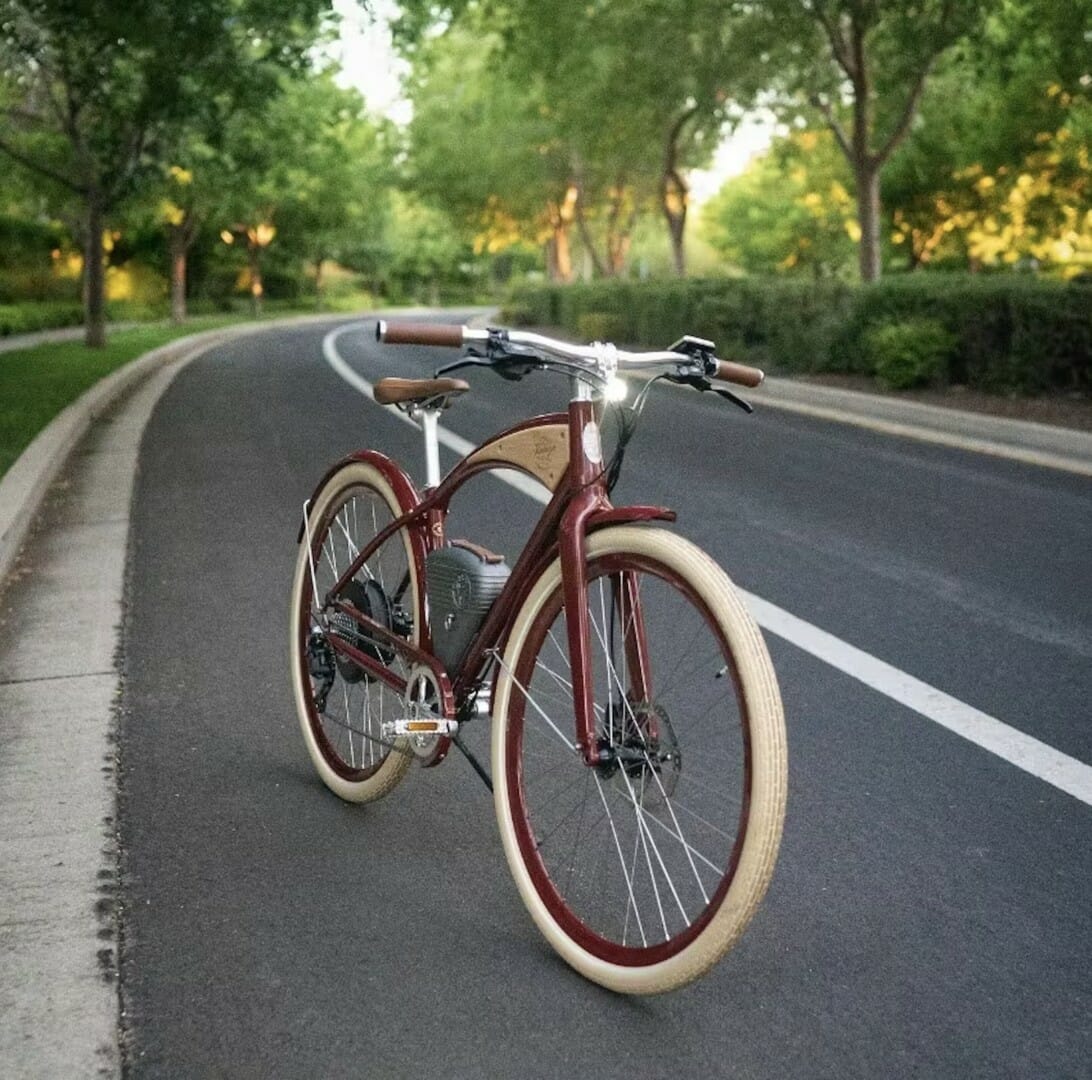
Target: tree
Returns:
[[92, 89], [420, 247], [999, 106], [863, 65], [790, 211], [334, 164], [642, 89], [623, 126], [483, 146]]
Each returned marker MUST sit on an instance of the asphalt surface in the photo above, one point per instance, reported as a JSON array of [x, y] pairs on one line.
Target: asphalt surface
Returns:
[[930, 915]]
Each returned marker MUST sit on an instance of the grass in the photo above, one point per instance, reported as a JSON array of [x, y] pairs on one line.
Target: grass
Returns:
[[37, 383]]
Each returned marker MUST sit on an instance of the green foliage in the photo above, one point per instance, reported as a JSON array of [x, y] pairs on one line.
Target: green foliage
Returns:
[[1009, 103], [532, 119], [481, 145], [131, 75], [910, 354], [1013, 334], [790, 211], [1006, 334], [27, 317], [424, 257], [600, 326]]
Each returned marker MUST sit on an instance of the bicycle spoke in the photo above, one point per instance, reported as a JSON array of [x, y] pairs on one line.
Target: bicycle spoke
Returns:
[[622, 860]]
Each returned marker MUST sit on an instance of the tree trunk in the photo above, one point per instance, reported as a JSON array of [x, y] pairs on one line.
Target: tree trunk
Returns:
[[868, 214], [257, 290], [94, 276], [319, 263], [676, 227], [674, 200], [590, 253], [675, 191], [559, 256], [178, 277]]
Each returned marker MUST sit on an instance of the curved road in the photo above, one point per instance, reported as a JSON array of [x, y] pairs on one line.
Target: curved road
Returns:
[[930, 915]]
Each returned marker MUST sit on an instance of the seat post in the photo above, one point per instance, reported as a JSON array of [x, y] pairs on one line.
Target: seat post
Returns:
[[429, 419]]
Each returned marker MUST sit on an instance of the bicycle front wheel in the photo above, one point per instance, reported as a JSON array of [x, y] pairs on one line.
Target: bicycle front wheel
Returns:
[[643, 870], [340, 706]]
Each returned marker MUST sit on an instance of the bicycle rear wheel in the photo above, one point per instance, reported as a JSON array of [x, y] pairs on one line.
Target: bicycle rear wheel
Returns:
[[340, 707], [644, 870]]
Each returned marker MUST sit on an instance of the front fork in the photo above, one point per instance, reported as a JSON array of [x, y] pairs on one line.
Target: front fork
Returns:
[[626, 605], [586, 461]]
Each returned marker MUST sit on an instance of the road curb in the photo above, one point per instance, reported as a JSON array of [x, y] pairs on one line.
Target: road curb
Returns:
[[1018, 440], [25, 484]]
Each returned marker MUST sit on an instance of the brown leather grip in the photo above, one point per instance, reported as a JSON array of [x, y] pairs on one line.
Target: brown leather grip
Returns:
[[408, 333], [730, 371]]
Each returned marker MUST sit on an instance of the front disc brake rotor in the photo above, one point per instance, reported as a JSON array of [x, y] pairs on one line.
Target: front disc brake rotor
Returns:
[[644, 754]]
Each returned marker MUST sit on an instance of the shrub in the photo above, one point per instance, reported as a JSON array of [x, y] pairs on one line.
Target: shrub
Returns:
[[601, 326], [1007, 333], [27, 317], [910, 354]]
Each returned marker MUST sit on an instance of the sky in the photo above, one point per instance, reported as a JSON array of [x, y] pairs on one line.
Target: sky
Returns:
[[369, 64]]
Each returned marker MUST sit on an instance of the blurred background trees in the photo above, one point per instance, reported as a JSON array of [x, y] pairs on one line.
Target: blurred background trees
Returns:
[[185, 156]]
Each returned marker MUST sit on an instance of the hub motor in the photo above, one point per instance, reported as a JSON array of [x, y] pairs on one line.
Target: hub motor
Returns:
[[369, 599]]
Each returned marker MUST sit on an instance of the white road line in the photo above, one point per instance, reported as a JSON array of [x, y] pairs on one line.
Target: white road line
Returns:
[[1037, 758], [1064, 772]]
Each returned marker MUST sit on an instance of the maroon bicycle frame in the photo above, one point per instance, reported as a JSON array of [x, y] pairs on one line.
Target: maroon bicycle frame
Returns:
[[579, 506]]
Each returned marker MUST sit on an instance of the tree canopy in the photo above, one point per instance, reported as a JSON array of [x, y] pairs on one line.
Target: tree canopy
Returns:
[[216, 141]]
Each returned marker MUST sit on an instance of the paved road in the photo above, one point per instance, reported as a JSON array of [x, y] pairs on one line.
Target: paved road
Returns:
[[930, 915]]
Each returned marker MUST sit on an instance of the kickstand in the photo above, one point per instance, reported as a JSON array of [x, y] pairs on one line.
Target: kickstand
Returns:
[[469, 755]]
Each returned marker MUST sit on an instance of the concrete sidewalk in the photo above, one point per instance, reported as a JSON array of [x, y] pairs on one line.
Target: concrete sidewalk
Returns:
[[58, 688]]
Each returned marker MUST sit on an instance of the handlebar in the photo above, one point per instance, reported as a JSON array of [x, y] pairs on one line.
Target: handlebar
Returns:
[[410, 333], [595, 359]]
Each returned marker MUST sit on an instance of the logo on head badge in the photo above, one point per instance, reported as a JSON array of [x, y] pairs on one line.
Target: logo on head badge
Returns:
[[461, 589], [593, 449]]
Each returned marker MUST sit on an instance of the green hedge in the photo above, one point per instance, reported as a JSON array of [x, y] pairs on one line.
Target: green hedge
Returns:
[[27, 317], [1006, 334]]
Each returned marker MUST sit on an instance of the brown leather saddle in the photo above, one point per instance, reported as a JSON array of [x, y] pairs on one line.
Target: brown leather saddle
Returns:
[[425, 393]]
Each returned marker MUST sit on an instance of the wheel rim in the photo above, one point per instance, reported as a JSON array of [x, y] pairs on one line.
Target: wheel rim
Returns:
[[631, 863], [347, 731]]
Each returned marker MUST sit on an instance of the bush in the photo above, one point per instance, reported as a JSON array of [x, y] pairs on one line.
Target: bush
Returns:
[[910, 354], [600, 326], [1007, 333], [28, 317]]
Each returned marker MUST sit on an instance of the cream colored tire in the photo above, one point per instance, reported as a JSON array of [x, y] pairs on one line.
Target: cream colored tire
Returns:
[[381, 768], [760, 832]]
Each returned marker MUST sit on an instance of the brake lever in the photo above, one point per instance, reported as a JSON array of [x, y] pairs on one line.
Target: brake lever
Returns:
[[462, 362], [700, 382], [746, 406]]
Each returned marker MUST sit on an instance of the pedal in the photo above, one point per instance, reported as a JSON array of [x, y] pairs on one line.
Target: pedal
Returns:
[[416, 727]]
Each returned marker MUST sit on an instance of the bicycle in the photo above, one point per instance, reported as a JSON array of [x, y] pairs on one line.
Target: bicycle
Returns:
[[638, 745]]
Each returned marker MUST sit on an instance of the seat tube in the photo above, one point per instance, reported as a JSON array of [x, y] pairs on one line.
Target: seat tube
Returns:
[[585, 472]]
